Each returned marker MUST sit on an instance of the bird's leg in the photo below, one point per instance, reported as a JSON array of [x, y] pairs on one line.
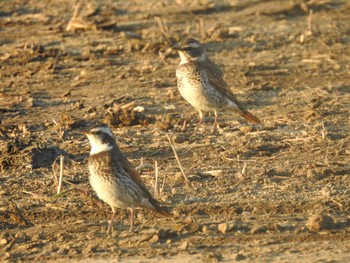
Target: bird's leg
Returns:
[[200, 119], [110, 223], [132, 209], [216, 124]]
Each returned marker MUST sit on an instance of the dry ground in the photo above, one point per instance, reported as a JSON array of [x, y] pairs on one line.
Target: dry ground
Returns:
[[273, 192]]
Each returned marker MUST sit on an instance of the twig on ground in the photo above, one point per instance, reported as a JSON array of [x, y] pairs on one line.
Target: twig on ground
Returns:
[[308, 32], [156, 180], [300, 139], [35, 195], [336, 202], [77, 10], [324, 131], [61, 174], [76, 23], [309, 23], [163, 184], [244, 169], [163, 28], [177, 158], [201, 29]]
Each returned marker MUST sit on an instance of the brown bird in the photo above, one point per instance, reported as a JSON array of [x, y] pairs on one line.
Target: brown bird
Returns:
[[114, 179], [202, 83]]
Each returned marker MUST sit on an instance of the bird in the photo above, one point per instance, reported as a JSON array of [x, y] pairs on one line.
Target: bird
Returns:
[[201, 83], [114, 178]]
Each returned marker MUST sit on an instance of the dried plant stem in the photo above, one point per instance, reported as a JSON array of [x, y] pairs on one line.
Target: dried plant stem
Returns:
[[61, 174], [77, 10], [156, 180], [163, 184], [309, 23], [177, 158], [127, 105], [163, 28], [75, 23], [201, 29], [244, 169]]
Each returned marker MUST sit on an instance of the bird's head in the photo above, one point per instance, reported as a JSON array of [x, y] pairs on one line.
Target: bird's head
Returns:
[[101, 139], [190, 50]]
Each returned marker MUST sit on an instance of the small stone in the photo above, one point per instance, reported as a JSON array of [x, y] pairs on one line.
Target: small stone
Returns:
[[224, 228], [245, 129], [3, 241], [320, 222], [183, 246], [205, 229], [239, 210], [240, 257], [213, 257], [180, 138], [336, 67]]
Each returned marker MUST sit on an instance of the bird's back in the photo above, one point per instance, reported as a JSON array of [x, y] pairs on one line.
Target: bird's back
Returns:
[[118, 184], [196, 87], [111, 182]]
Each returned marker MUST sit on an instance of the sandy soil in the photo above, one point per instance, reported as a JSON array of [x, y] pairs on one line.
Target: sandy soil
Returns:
[[272, 192]]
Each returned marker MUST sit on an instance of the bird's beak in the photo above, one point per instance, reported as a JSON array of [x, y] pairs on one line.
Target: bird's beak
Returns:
[[177, 47], [85, 132]]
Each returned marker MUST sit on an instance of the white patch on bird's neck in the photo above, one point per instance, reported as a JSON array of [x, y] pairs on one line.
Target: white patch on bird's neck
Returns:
[[183, 57], [95, 149], [97, 146]]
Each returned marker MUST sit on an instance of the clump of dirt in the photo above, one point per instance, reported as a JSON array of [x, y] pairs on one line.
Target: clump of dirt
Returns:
[[125, 117], [169, 121], [16, 154]]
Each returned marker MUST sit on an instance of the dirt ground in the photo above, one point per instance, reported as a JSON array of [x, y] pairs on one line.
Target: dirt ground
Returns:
[[273, 192]]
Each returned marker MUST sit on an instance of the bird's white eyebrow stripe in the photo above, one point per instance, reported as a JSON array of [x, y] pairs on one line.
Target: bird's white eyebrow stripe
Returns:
[[103, 129], [194, 44]]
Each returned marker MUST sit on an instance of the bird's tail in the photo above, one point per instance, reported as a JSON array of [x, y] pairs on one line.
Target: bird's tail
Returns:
[[250, 117], [160, 209]]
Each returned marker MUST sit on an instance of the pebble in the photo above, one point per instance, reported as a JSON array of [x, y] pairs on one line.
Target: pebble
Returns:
[[225, 227]]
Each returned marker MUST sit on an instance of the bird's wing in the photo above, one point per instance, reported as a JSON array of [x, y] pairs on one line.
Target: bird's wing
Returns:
[[136, 178], [128, 167], [216, 78]]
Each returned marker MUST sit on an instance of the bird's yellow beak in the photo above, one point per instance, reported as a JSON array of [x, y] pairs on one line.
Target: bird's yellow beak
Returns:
[[85, 132]]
